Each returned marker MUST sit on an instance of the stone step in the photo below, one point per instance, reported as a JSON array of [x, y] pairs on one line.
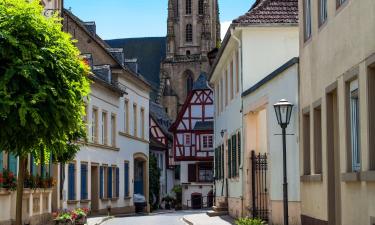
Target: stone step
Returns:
[[217, 213], [220, 208]]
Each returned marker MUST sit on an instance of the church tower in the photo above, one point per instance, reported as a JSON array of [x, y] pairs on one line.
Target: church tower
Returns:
[[193, 30]]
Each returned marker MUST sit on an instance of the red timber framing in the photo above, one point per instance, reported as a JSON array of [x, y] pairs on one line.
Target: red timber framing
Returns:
[[198, 110], [157, 133]]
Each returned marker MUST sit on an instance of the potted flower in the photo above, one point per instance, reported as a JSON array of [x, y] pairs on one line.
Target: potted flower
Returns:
[[63, 218], [9, 180], [80, 216], [168, 200]]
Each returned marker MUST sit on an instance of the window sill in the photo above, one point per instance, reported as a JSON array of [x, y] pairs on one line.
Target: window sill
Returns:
[[71, 202], [134, 137], [85, 201], [127, 198], [104, 199], [312, 178], [368, 176], [114, 199], [101, 146], [350, 177]]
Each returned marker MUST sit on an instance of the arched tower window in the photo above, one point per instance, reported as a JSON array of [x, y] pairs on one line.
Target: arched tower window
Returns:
[[188, 7], [200, 7], [189, 33], [189, 81]]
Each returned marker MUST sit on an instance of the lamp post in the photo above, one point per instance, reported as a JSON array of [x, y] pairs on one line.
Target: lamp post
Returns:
[[283, 110]]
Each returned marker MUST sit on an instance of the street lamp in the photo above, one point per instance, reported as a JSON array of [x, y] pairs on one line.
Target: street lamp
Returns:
[[283, 110]]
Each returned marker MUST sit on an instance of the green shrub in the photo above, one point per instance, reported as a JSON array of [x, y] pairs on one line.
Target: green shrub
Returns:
[[249, 221]]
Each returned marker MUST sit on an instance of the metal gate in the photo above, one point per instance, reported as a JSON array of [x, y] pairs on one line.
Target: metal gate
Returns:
[[260, 195]]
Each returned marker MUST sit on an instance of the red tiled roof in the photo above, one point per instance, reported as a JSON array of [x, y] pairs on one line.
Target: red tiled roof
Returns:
[[271, 12]]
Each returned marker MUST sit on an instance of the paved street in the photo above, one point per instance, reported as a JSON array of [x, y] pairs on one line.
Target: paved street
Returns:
[[158, 219]]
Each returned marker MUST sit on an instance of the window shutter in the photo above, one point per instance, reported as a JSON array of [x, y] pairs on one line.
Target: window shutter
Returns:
[[222, 161], [126, 179], [83, 181], [216, 164], [1, 161], [12, 164], [219, 161], [192, 176], [109, 185], [229, 158], [71, 181], [239, 148], [117, 182], [234, 156], [101, 184]]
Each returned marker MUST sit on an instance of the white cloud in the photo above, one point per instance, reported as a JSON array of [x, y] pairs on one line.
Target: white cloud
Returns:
[[224, 28]]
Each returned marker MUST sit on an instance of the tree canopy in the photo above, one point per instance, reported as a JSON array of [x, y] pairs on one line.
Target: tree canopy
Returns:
[[43, 83]]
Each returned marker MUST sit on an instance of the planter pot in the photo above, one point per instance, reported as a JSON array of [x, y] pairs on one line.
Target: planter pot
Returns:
[[81, 221], [66, 222]]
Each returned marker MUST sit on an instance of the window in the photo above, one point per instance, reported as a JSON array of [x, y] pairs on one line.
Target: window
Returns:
[[226, 87], [318, 140], [371, 116], [187, 139], [113, 182], [126, 179], [207, 142], [322, 12], [231, 81], [355, 153], [104, 182], [188, 52], [189, 33], [192, 173], [200, 7], [104, 128], [205, 173], [135, 128], [117, 182], [176, 8], [126, 116], [306, 144], [237, 73], [71, 181], [339, 3], [188, 7], [143, 123], [189, 83], [177, 172], [307, 18], [1, 161], [222, 160], [109, 182], [239, 150], [34, 168], [84, 181], [94, 127], [12, 163], [113, 130]]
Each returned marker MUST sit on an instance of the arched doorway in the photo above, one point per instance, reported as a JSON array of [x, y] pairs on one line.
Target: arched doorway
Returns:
[[196, 200], [141, 181]]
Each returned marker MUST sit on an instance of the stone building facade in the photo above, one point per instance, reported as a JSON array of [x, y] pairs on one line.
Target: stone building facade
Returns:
[[193, 31]]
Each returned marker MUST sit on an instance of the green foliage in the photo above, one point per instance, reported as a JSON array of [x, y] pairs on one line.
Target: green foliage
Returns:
[[249, 221], [43, 83], [177, 189], [154, 176]]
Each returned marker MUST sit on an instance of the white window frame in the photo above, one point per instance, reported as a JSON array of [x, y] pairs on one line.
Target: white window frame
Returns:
[[307, 20], [186, 138], [207, 137]]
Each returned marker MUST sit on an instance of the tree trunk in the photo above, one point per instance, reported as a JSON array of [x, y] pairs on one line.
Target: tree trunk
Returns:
[[20, 181]]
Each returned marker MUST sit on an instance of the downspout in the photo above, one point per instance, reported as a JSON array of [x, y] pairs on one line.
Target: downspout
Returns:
[[239, 42]]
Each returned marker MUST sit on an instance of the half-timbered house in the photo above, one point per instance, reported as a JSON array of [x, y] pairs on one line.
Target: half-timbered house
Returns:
[[193, 145], [161, 147]]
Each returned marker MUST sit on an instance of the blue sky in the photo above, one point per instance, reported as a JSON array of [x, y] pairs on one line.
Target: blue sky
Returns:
[[140, 18]]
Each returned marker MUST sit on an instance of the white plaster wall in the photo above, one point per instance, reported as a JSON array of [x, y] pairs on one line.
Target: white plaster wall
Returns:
[[265, 49], [283, 86]]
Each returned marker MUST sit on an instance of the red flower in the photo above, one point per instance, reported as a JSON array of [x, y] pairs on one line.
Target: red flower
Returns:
[[55, 214]]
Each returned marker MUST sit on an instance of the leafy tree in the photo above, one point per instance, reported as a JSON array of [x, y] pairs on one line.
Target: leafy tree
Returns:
[[43, 83], [154, 176]]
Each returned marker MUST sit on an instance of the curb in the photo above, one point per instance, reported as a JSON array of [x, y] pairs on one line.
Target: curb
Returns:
[[104, 220], [187, 221]]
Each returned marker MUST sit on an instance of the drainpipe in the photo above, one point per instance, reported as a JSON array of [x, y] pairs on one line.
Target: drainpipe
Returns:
[[240, 52]]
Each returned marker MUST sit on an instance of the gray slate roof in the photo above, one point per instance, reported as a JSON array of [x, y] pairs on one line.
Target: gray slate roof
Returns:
[[207, 125], [158, 113], [201, 83]]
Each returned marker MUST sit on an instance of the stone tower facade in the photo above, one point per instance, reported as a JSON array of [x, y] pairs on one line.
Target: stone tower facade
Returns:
[[193, 31]]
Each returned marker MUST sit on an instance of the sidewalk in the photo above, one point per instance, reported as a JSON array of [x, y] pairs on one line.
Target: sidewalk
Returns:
[[98, 220], [204, 219]]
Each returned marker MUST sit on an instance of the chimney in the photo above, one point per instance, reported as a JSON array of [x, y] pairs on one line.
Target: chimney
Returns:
[[91, 26]]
